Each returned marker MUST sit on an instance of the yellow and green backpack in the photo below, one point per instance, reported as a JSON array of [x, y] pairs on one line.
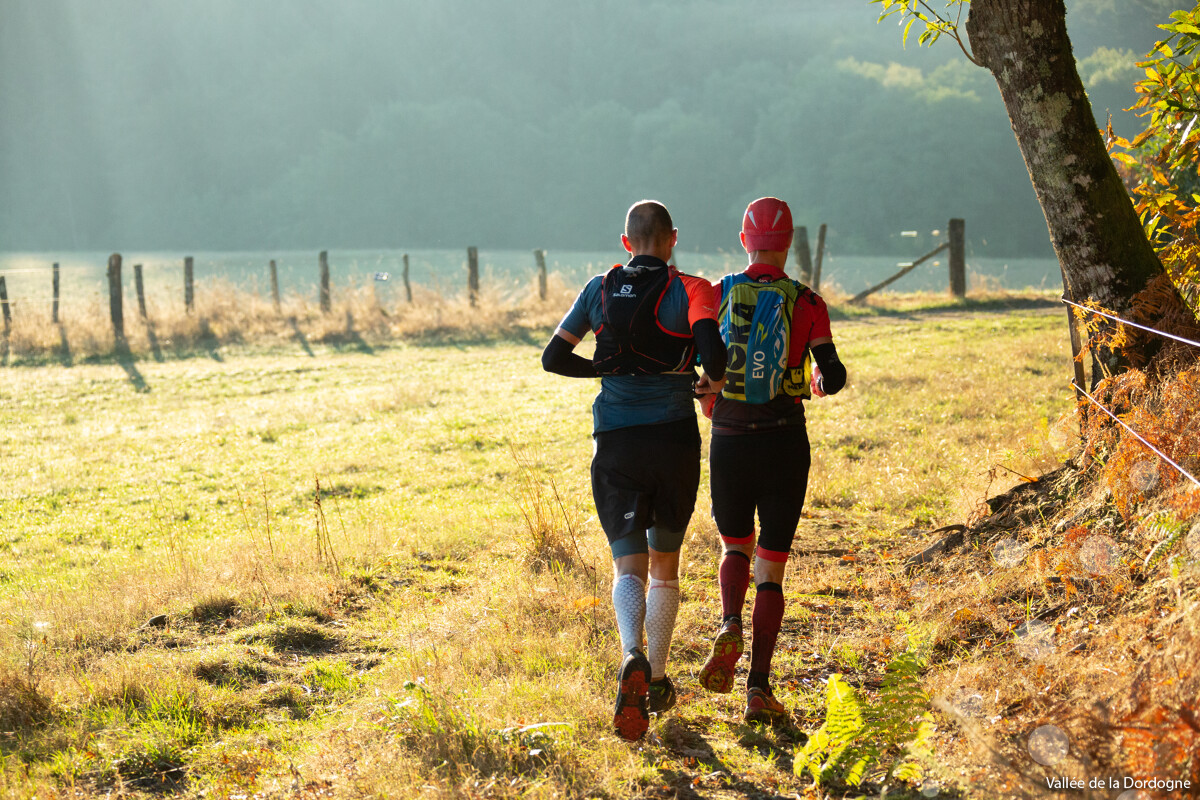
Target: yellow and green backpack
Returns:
[[756, 325]]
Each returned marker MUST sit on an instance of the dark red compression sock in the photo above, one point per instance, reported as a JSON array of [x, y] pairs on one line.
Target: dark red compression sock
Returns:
[[734, 578], [765, 622]]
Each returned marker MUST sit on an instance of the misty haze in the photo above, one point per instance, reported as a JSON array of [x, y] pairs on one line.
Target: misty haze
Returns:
[[224, 125]]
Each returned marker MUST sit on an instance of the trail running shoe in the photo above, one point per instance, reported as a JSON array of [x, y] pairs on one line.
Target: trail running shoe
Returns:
[[631, 717], [761, 706], [662, 695], [717, 673]]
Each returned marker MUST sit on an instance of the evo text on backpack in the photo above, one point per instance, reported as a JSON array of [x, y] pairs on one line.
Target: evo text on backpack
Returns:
[[756, 323]]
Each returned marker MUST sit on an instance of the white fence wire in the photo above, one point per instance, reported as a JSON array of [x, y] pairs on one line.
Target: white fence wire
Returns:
[[1119, 421]]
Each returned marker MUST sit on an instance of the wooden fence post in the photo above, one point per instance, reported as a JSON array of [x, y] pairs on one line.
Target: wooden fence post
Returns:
[[115, 297], [141, 290], [54, 307], [326, 300], [189, 285], [803, 254], [540, 255], [407, 285], [275, 285], [473, 274], [816, 278], [1076, 349], [904, 270], [958, 258], [4, 306], [1076, 343]]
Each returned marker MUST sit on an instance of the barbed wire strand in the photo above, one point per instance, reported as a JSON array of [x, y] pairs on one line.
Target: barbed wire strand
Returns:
[[1132, 324], [67, 268], [1137, 435]]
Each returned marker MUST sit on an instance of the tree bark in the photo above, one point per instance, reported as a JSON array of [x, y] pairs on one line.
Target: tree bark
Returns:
[[1099, 241]]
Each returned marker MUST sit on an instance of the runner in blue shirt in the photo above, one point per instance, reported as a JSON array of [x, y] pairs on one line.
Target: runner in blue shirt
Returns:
[[650, 321]]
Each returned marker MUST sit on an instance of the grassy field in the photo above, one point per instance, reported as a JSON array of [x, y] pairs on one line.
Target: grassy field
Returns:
[[375, 570]]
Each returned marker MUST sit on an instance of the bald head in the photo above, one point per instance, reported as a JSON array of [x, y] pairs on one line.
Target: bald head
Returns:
[[648, 226]]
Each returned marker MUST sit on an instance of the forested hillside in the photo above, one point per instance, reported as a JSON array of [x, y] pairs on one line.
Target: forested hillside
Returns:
[[232, 125]]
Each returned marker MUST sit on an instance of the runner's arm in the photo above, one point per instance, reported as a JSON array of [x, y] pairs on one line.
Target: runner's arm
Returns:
[[830, 375], [702, 316], [832, 372], [711, 347], [559, 357]]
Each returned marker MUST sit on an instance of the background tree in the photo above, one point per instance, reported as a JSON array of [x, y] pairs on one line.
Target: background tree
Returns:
[[350, 124], [1161, 161], [1100, 243]]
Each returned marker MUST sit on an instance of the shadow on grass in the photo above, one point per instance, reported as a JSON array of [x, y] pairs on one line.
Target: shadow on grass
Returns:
[[24, 708], [687, 739], [460, 339], [209, 341], [129, 363], [948, 306], [350, 337], [64, 347], [212, 347], [300, 337], [152, 336]]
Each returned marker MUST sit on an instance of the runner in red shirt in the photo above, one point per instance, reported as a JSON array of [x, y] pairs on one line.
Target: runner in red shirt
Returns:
[[759, 459]]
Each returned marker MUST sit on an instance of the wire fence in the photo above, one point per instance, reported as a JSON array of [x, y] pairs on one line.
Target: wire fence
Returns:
[[1132, 324], [1117, 419], [152, 277]]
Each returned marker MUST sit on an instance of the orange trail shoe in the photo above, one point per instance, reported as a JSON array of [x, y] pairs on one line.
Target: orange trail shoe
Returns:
[[717, 673], [631, 717], [761, 706]]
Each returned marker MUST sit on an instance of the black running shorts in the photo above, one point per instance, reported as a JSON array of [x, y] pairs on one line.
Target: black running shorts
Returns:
[[646, 477], [765, 471]]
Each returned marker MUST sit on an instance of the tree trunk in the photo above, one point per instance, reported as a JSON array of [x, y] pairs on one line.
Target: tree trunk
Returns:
[[1099, 241]]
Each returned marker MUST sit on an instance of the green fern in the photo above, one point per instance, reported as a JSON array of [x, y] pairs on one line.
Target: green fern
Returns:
[[916, 752], [1168, 533], [824, 750], [893, 734]]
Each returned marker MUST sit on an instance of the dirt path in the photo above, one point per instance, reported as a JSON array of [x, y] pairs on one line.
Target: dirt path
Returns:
[[842, 596]]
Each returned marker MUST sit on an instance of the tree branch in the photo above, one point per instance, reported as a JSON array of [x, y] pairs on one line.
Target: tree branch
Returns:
[[951, 28], [957, 38]]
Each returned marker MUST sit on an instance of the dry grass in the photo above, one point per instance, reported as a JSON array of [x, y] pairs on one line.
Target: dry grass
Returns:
[[467, 602], [225, 315], [1074, 603]]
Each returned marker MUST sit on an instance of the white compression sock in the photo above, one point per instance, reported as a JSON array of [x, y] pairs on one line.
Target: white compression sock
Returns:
[[629, 601], [662, 605]]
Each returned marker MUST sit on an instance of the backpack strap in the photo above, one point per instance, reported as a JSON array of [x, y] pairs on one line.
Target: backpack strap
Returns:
[[674, 276]]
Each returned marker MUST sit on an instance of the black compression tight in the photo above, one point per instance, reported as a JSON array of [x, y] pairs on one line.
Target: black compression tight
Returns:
[[765, 471]]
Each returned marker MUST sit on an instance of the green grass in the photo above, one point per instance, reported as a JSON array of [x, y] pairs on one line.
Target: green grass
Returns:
[[411, 630]]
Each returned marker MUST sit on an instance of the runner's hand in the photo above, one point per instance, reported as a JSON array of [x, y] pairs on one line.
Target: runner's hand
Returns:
[[815, 384], [706, 385]]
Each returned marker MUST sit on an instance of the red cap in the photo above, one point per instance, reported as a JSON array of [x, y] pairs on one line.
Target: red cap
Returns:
[[767, 225]]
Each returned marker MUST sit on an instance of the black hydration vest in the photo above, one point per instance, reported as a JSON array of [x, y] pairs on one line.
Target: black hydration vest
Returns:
[[630, 339]]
